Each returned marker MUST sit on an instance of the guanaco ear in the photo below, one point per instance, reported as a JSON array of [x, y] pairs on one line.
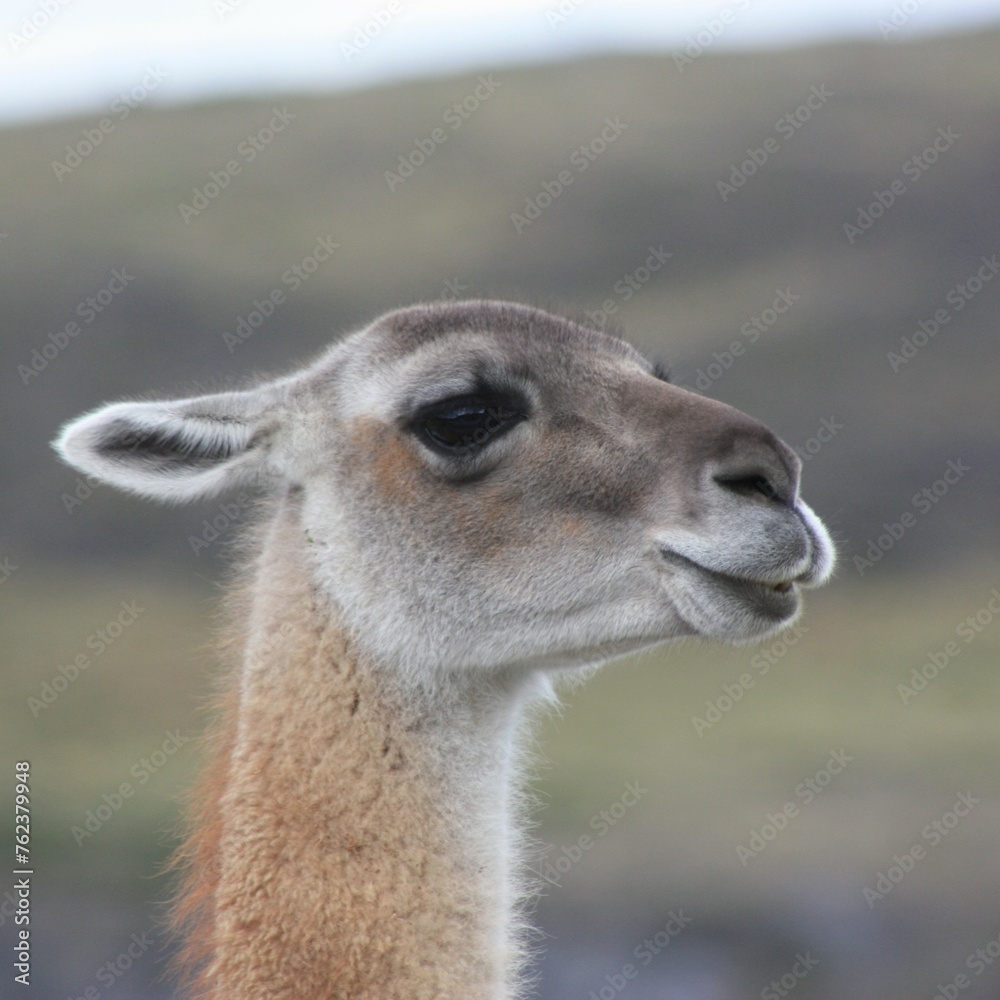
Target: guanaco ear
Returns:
[[177, 450]]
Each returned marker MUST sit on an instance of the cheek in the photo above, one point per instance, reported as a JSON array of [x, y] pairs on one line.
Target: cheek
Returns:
[[382, 480], [574, 499], [594, 478], [396, 472], [413, 509]]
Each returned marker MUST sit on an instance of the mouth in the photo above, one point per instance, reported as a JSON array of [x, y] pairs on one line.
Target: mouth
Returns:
[[803, 558], [779, 584], [744, 591], [729, 605]]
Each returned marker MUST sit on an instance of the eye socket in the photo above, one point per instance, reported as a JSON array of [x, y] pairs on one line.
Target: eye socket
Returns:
[[464, 424]]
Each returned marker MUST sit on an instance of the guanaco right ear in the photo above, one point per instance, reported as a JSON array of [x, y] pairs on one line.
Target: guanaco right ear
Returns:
[[176, 450]]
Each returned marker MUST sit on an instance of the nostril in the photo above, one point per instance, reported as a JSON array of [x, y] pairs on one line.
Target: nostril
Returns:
[[758, 468], [751, 485]]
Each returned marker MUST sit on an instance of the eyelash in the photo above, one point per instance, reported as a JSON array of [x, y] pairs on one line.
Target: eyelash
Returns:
[[661, 370]]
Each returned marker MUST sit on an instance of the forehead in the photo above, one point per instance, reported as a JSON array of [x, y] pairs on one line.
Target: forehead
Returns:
[[422, 353]]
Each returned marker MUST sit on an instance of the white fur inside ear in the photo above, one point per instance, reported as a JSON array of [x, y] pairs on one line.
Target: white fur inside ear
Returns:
[[176, 451]]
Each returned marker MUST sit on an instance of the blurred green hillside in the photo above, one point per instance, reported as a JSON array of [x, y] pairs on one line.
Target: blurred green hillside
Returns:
[[446, 229]]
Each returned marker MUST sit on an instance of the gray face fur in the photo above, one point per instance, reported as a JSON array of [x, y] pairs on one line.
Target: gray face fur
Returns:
[[487, 487]]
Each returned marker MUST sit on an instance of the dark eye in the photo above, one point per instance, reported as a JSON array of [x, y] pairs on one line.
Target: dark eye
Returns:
[[464, 424]]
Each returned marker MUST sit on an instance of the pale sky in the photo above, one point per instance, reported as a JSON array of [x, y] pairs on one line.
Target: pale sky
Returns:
[[60, 57]]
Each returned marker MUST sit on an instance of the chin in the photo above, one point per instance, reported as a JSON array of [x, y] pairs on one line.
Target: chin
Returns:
[[734, 610]]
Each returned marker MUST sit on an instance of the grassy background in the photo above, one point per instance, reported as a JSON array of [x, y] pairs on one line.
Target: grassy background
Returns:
[[836, 689]]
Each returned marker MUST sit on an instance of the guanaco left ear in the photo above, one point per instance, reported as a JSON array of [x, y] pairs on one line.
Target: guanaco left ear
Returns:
[[177, 450]]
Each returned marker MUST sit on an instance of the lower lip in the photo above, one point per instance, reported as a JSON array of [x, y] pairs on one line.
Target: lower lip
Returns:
[[776, 600]]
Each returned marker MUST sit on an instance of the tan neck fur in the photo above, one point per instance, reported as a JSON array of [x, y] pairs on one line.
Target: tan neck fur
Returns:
[[338, 848]]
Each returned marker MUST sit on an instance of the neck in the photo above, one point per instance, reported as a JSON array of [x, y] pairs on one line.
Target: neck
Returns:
[[353, 838]]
